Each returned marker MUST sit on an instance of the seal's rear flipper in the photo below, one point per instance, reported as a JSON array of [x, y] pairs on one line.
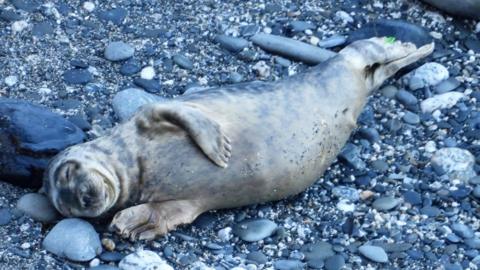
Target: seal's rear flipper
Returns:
[[203, 130]]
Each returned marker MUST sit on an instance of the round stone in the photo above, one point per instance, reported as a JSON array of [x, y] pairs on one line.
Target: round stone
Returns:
[[11, 80], [118, 50], [182, 61], [147, 73], [374, 253], [74, 239], [143, 259], [88, 6], [38, 207], [429, 74], [457, 163]]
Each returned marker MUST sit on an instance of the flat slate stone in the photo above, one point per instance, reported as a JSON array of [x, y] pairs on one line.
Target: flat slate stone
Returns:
[[374, 253], [77, 76], [399, 29], [30, 135], [292, 49]]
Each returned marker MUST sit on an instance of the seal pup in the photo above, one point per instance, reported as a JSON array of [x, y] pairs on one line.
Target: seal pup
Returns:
[[226, 147]]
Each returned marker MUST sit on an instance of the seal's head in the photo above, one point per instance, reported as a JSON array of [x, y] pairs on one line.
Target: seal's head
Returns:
[[79, 185]]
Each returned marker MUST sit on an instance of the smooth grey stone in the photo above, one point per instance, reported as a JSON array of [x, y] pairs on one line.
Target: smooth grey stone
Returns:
[[412, 197], [335, 262], [258, 257], [74, 239], [389, 91], [462, 230], [332, 41], [476, 192], [317, 251], [77, 76], [118, 50], [351, 155], [430, 211], [104, 267], [254, 230], [473, 242], [447, 85], [406, 98], [235, 77], [385, 203], [126, 102], [42, 29], [111, 256], [463, 8], [232, 44], [5, 216], [152, 86], [115, 15], [473, 44], [300, 26], [374, 253], [399, 29], [130, 67], [288, 265], [428, 74], [182, 61], [411, 118], [292, 49], [282, 61], [38, 207]]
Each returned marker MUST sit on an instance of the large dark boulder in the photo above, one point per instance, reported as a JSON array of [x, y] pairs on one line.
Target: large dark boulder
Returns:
[[461, 8], [30, 136]]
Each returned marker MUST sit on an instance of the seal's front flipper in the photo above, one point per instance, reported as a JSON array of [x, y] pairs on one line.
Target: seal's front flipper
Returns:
[[149, 220], [203, 130]]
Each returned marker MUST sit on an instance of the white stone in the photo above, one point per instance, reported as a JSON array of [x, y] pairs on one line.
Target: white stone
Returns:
[[477, 28], [94, 262], [225, 234], [344, 16], [346, 206], [25, 246], [442, 101], [143, 260], [457, 163], [430, 147], [314, 40], [429, 74], [147, 73], [88, 6], [19, 26], [262, 69], [11, 80]]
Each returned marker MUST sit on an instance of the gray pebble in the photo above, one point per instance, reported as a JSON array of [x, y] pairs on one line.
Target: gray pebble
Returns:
[[118, 50], [74, 239], [332, 41], [232, 44], [292, 49], [457, 163], [447, 85], [406, 98], [385, 203], [38, 207], [462, 230], [126, 102], [258, 257], [182, 61], [411, 118], [476, 192], [254, 230], [374, 253], [347, 193], [335, 262], [5, 216], [288, 265], [318, 251]]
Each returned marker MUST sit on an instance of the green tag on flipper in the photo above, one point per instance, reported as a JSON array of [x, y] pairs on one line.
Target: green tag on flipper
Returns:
[[390, 40]]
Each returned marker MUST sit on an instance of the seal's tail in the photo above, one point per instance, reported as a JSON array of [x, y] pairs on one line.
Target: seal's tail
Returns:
[[381, 58]]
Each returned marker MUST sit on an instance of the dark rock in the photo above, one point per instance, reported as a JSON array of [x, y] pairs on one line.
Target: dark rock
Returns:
[[182, 61], [292, 49], [464, 8], [112, 256], [406, 98], [116, 15], [5, 216], [30, 135], [232, 44], [152, 86], [335, 262], [130, 67], [351, 155], [369, 134], [473, 43], [258, 257], [26, 5], [9, 15], [412, 197], [249, 30], [79, 63], [447, 85], [399, 29], [42, 29], [77, 76]]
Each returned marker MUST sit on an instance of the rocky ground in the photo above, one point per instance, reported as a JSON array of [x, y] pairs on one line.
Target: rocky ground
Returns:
[[403, 195]]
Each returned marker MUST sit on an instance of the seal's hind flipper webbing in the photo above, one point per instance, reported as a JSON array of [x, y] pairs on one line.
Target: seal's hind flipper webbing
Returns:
[[203, 130]]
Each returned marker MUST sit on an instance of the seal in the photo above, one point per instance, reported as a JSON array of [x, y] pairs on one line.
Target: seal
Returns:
[[225, 147]]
